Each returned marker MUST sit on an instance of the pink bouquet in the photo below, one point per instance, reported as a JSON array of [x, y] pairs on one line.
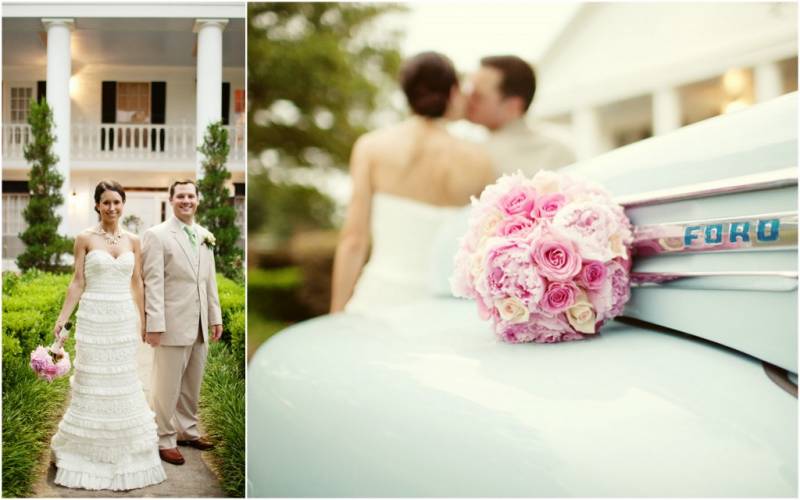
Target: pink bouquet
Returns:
[[546, 259], [52, 362]]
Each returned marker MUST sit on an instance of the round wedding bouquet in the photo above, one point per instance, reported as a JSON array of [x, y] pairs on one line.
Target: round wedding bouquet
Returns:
[[546, 259], [52, 362]]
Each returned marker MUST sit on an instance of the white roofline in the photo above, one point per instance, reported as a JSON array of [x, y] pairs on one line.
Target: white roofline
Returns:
[[567, 26], [196, 9]]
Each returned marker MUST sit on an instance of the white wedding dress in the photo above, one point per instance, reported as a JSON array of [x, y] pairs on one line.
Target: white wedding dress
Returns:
[[107, 438], [412, 248]]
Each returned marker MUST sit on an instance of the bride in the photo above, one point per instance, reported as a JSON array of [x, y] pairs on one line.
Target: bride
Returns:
[[107, 437], [408, 179]]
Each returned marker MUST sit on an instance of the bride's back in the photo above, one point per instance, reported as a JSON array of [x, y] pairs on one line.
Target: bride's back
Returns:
[[406, 178], [418, 159]]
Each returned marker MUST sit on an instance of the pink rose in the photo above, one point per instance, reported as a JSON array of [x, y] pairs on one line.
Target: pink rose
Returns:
[[519, 200], [516, 227], [510, 272], [592, 275], [549, 204], [557, 260], [558, 297], [589, 226]]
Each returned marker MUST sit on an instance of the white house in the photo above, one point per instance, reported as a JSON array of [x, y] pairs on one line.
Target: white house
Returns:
[[132, 87], [621, 72]]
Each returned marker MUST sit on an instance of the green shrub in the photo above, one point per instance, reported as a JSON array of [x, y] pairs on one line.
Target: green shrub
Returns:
[[31, 407], [231, 301], [222, 410], [236, 327], [27, 327], [272, 293]]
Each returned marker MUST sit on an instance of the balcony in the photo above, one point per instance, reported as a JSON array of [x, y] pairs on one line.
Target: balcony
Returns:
[[100, 146]]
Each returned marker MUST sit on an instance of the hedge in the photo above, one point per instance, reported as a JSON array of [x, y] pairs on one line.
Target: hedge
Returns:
[[31, 408], [222, 395]]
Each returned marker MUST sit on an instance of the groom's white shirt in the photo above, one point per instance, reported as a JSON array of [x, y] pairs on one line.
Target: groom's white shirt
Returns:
[[519, 146]]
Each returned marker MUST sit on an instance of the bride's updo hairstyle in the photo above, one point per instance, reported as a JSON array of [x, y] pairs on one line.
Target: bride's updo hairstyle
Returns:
[[104, 186], [427, 79]]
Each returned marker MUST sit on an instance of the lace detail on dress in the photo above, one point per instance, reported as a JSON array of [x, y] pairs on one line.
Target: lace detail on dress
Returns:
[[107, 438]]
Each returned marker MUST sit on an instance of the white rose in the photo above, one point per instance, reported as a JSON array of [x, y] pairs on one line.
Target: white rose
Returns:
[[581, 315], [512, 310]]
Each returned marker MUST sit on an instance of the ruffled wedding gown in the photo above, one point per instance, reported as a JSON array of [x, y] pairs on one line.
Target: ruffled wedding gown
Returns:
[[107, 438], [413, 244]]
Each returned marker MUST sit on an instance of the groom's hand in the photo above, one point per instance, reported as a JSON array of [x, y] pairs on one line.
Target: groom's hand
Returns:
[[154, 338], [216, 332]]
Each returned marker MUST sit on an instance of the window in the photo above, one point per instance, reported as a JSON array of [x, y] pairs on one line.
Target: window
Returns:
[[13, 205], [133, 106], [133, 102], [20, 99]]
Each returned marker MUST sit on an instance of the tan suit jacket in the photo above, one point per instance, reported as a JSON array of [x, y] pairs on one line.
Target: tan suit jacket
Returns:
[[180, 288], [518, 146]]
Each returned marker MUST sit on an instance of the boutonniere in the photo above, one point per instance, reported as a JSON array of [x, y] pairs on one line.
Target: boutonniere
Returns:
[[209, 240]]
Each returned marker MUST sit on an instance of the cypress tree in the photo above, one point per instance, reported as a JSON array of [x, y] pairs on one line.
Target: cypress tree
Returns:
[[44, 246], [216, 211]]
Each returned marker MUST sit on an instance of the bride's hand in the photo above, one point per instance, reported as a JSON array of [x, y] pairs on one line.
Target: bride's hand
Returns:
[[57, 328], [154, 339]]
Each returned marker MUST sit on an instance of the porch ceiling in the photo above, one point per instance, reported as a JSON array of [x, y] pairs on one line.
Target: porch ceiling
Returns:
[[132, 41]]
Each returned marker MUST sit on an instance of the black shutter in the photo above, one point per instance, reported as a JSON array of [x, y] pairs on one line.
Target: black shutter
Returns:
[[108, 114], [158, 114], [109, 110], [15, 187], [158, 102], [41, 91], [226, 102]]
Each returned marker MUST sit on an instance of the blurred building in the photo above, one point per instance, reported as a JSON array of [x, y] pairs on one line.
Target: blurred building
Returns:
[[132, 87], [622, 72]]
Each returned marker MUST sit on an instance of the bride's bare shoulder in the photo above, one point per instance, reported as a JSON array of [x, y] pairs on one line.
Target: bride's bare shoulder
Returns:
[[378, 137], [472, 152]]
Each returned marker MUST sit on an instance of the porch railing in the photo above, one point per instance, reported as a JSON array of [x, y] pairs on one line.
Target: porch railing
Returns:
[[101, 141], [15, 137]]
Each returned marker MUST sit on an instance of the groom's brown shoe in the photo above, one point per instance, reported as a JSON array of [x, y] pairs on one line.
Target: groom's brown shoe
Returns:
[[171, 455], [199, 443]]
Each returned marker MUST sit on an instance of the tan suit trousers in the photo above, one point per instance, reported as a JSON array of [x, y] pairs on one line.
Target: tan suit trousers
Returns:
[[176, 378]]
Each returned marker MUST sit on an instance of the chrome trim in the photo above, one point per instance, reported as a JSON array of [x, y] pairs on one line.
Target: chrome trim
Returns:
[[754, 182], [645, 275], [770, 231], [762, 281]]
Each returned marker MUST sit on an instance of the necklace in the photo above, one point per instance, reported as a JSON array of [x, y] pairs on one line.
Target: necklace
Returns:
[[111, 239]]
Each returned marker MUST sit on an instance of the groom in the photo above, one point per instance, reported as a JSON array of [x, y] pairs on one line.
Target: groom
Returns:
[[181, 302], [502, 92]]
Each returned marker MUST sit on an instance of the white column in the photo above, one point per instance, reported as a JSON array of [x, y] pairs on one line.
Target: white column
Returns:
[[209, 78], [59, 71], [587, 132], [666, 110], [768, 81]]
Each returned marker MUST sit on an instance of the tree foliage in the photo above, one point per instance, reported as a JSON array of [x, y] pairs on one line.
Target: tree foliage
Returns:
[[44, 246], [316, 74], [216, 212]]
